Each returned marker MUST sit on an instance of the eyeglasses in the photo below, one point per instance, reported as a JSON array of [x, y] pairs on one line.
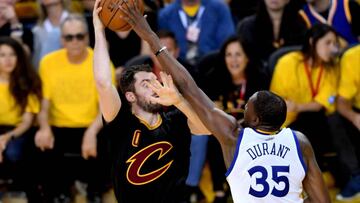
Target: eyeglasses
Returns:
[[78, 36]]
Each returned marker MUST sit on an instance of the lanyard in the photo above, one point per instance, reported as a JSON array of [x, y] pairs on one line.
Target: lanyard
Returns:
[[314, 90], [184, 20], [242, 91]]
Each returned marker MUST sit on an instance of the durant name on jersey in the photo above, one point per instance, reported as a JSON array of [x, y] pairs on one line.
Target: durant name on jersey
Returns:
[[264, 148]]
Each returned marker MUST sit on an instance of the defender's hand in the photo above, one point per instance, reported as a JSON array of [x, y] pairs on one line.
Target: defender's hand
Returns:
[[166, 93]]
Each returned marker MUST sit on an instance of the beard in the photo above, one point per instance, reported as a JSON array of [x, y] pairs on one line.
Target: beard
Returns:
[[147, 106]]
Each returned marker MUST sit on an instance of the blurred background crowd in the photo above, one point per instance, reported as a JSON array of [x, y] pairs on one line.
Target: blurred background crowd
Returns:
[[53, 145]]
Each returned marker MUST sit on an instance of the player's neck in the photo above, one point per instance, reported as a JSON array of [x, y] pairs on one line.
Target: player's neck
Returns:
[[321, 5], [4, 78], [266, 130], [150, 118], [238, 79], [79, 58]]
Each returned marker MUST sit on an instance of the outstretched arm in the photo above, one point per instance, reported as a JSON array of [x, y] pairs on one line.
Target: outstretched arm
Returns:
[[223, 126], [313, 183], [109, 99], [167, 94]]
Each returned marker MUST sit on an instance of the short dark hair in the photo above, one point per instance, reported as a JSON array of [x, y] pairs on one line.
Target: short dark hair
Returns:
[[270, 108], [127, 80], [167, 34]]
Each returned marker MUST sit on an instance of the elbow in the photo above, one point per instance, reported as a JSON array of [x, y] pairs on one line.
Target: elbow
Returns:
[[102, 84], [319, 107]]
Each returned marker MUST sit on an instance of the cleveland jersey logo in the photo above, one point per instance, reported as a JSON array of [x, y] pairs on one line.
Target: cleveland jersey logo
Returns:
[[138, 159]]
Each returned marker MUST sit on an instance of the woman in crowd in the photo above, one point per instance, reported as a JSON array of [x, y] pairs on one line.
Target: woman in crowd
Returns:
[[276, 24], [307, 80], [20, 93], [241, 76]]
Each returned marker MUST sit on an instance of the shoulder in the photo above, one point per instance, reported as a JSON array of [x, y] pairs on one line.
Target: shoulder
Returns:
[[123, 116], [352, 52], [214, 4], [54, 55], [290, 59], [170, 9], [246, 27], [304, 143], [247, 22], [38, 29], [51, 59]]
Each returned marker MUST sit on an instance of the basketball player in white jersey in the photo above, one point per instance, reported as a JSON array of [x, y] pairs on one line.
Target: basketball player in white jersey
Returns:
[[265, 163]]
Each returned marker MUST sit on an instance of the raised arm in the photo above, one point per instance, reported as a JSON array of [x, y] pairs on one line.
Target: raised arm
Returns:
[[313, 183], [167, 94], [109, 99], [218, 122]]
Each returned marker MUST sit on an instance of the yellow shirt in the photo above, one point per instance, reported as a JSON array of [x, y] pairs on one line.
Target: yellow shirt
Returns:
[[191, 10], [349, 86], [10, 113], [70, 89], [291, 82]]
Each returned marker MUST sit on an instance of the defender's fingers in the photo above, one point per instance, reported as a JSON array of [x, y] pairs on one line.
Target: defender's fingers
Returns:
[[164, 79], [152, 87]]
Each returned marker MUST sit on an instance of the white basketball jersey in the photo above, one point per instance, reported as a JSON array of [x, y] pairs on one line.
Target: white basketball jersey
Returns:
[[267, 168]]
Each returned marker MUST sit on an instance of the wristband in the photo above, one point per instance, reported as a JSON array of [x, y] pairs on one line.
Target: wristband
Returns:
[[160, 50]]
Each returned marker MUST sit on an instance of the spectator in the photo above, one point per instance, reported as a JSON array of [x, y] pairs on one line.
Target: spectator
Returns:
[[307, 80], [276, 24], [11, 26], [69, 119], [20, 95], [345, 124], [47, 34], [200, 26], [343, 15], [241, 77]]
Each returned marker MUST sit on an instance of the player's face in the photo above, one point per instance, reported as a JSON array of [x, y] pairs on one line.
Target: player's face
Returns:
[[276, 5], [235, 59], [8, 59], [74, 38], [326, 47], [250, 117], [143, 92]]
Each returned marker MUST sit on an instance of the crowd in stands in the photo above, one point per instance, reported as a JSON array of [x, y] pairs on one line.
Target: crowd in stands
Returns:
[[52, 137]]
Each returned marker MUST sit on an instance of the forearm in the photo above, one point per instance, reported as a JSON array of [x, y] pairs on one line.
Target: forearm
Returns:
[[344, 107], [22, 127], [102, 71], [43, 119], [309, 107], [96, 125], [195, 124], [108, 96]]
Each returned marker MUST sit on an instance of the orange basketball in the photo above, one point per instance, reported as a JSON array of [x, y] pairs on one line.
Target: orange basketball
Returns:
[[110, 14]]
